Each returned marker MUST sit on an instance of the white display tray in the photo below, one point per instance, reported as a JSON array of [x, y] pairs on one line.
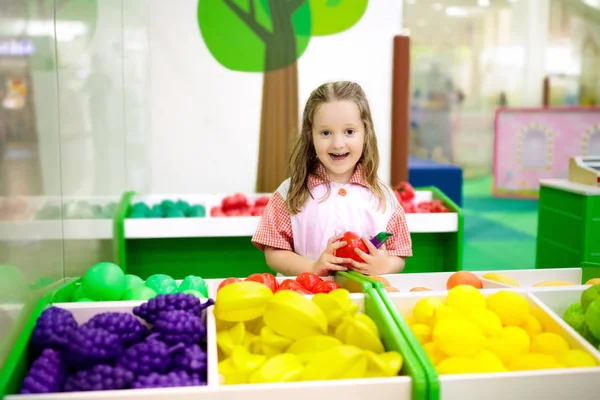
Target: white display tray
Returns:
[[393, 388], [525, 277], [563, 383], [246, 226], [33, 229]]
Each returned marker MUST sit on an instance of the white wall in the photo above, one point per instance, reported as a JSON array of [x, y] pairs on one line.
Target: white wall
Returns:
[[206, 119]]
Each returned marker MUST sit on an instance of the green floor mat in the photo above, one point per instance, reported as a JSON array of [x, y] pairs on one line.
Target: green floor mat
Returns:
[[499, 233]]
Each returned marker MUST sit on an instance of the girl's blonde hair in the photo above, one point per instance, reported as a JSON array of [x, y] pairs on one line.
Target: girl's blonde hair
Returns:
[[303, 159]]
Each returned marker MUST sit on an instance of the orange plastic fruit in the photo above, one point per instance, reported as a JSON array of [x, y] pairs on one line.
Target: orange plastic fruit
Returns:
[[463, 278], [420, 289], [391, 289], [381, 279]]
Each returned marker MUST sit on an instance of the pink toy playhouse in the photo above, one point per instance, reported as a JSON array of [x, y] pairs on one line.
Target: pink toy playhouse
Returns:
[[533, 144]]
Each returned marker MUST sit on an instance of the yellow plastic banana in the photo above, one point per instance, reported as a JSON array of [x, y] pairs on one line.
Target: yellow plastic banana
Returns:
[[293, 316], [360, 331], [272, 343], [310, 347], [384, 364], [281, 368], [229, 339], [335, 305], [340, 362], [242, 301], [240, 365]]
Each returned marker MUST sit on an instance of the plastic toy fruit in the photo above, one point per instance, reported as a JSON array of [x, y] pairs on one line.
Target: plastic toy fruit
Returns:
[[228, 281], [593, 281], [353, 241], [420, 289], [295, 286], [104, 282], [590, 295], [554, 283], [133, 281], [243, 301], [325, 287], [139, 293], [161, 284], [293, 316], [301, 339], [192, 282], [308, 280], [500, 278], [405, 190], [463, 278], [266, 279]]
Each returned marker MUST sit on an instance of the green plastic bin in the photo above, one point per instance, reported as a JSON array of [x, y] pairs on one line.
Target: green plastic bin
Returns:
[[568, 227], [437, 251], [18, 361]]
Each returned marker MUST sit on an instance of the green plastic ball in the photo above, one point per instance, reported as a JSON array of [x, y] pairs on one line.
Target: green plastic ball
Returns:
[[194, 293], [167, 204], [132, 281], [183, 206], [78, 293], [104, 281], [139, 293], [192, 282], [174, 213], [162, 284], [156, 212], [196, 211]]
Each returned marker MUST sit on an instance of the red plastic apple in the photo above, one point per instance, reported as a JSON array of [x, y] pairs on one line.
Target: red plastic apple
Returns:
[[353, 242]]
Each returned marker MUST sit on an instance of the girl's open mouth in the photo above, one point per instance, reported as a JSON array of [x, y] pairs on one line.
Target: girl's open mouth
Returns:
[[338, 156]]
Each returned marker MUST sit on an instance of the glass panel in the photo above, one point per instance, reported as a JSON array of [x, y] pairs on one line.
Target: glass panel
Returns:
[[31, 255], [467, 58]]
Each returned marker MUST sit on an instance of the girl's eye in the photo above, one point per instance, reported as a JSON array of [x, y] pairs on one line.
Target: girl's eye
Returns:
[[325, 133], [350, 131]]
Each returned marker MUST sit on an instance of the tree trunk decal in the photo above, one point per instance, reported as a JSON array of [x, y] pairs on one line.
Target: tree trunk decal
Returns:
[[269, 36]]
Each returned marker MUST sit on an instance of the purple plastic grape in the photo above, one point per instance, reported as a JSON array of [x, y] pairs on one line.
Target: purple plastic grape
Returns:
[[88, 346], [192, 359], [52, 329], [129, 329], [176, 326], [148, 356], [46, 374], [169, 302], [99, 377], [172, 379]]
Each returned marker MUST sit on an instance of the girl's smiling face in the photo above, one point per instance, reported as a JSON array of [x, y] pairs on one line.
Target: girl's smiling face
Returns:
[[339, 136]]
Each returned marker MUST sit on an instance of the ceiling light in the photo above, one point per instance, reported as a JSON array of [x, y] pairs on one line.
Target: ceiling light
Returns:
[[592, 3], [456, 12]]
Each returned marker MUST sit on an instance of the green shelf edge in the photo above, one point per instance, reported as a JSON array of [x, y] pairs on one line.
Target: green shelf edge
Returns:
[[411, 339], [404, 331], [394, 340]]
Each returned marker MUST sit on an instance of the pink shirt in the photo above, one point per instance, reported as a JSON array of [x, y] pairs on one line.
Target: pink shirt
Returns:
[[349, 207]]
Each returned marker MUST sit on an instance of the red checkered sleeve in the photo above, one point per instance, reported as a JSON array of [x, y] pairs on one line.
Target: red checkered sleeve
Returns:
[[400, 244], [275, 226]]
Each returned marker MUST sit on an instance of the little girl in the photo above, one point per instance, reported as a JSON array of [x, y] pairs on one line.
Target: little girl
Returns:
[[333, 188]]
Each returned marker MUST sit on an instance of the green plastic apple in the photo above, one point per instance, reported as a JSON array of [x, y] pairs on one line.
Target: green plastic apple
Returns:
[[104, 281]]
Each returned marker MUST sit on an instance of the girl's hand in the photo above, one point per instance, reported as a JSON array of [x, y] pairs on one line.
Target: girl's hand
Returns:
[[378, 262], [328, 261]]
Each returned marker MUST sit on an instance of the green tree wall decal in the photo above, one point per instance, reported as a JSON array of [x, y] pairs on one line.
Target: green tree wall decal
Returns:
[[269, 36]]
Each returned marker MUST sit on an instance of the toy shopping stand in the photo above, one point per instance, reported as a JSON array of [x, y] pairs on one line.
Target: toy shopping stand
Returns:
[[569, 219]]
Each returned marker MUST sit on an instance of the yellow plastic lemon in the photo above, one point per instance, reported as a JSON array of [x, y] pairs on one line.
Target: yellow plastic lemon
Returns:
[[512, 308], [465, 298]]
